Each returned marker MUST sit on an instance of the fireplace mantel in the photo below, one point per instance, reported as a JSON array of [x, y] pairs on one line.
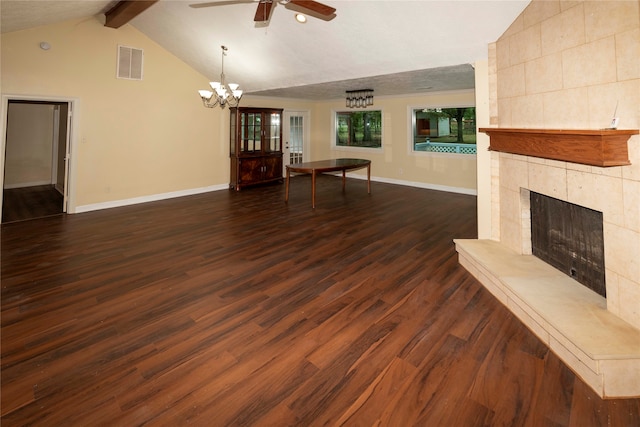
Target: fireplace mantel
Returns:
[[604, 148]]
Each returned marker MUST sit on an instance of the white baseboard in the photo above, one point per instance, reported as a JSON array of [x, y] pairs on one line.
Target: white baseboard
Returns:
[[193, 191], [151, 198], [26, 184], [460, 190]]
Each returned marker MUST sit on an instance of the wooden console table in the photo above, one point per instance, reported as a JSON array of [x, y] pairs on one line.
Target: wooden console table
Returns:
[[322, 166]]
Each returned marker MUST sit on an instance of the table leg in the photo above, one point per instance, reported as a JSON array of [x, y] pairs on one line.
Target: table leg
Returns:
[[313, 189], [286, 186], [369, 178], [344, 179]]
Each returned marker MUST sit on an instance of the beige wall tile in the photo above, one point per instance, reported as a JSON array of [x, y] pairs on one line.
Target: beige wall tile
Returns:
[[628, 94], [629, 308], [539, 10], [628, 54], [514, 174], [621, 251], [525, 220], [525, 46], [611, 99], [543, 74], [605, 18], [548, 180], [511, 81], [632, 171], [510, 229], [580, 168], [527, 111], [631, 198], [504, 112], [613, 292], [568, 4], [613, 171], [502, 54], [589, 64], [599, 192], [555, 163], [563, 31], [566, 109]]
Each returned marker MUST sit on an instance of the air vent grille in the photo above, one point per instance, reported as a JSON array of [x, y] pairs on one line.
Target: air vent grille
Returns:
[[130, 63]]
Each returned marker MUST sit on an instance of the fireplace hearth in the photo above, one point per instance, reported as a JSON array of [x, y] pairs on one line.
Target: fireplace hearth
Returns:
[[596, 336]]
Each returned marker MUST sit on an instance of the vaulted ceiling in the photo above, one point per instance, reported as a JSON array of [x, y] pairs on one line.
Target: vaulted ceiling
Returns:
[[393, 47]]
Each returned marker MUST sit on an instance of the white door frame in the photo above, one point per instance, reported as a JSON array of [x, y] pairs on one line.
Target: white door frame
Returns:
[[72, 132], [306, 135]]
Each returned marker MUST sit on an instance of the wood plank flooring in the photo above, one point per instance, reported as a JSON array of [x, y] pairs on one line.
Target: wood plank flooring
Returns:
[[236, 309], [24, 203]]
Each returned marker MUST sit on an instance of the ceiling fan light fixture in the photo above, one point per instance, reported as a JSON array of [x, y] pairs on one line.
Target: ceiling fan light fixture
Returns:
[[301, 18], [223, 97]]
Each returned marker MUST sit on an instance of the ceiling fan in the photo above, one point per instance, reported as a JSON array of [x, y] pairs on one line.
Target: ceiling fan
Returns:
[[263, 12]]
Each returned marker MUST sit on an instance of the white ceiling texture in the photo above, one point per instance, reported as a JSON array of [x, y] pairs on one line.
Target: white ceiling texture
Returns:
[[393, 47]]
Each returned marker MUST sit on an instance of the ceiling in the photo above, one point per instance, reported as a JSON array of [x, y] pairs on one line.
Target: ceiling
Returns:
[[392, 47]]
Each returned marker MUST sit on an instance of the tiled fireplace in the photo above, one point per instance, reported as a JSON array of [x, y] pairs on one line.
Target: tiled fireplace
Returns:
[[566, 65], [597, 337]]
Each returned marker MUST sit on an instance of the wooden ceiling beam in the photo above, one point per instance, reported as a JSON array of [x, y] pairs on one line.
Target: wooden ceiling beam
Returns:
[[125, 11]]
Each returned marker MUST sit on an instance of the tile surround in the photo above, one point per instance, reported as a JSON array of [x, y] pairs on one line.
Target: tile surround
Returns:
[[565, 65]]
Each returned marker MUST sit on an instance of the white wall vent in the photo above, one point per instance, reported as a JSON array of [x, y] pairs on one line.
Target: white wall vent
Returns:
[[130, 63]]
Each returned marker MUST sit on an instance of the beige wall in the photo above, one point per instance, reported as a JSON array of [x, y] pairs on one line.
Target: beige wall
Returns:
[[395, 162], [133, 138], [138, 140]]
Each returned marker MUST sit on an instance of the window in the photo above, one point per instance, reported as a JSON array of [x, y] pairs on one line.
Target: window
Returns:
[[444, 130], [359, 129]]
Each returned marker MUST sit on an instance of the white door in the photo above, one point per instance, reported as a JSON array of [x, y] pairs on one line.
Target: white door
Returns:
[[66, 154], [296, 137]]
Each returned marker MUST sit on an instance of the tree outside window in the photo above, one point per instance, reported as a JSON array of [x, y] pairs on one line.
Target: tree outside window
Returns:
[[359, 129]]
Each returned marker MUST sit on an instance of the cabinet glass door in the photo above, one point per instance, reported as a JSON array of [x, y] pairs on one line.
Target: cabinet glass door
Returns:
[[273, 132], [251, 132]]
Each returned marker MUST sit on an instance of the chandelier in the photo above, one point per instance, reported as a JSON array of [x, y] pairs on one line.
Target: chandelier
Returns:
[[359, 98], [220, 94]]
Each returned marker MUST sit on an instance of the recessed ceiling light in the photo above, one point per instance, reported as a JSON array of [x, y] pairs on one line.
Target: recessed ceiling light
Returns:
[[301, 18]]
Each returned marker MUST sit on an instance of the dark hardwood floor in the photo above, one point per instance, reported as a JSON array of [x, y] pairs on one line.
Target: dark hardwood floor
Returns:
[[24, 203], [236, 309]]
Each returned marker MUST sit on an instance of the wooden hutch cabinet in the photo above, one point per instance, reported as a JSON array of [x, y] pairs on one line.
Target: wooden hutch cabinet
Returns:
[[256, 146]]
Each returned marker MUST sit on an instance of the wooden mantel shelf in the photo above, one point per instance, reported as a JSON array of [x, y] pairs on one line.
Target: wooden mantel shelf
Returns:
[[604, 148]]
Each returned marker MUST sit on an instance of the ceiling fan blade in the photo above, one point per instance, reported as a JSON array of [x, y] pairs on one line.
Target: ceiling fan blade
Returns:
[[219, 3], [319, 8], [263, 12]]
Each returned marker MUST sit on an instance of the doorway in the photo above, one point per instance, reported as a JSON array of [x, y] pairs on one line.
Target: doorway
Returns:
[[296, 138], [35, 158]]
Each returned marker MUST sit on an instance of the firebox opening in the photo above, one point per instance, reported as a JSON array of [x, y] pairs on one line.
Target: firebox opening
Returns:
[[570, 238]]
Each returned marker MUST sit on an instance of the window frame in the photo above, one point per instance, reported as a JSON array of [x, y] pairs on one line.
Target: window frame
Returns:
[[334, 124], [411, 124]]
